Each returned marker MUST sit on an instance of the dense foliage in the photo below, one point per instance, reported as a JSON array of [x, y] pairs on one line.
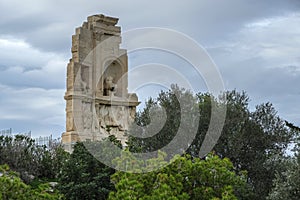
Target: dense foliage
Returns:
[[184, 178], [287, 183], [255, 141], [13, 188], [252, 159], [29, 160], [84, 177]]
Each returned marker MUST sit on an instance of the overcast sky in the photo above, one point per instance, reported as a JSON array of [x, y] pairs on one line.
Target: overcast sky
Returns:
[[254, 43]]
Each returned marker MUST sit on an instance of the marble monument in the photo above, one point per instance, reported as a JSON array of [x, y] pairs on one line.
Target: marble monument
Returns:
[[97, 100]]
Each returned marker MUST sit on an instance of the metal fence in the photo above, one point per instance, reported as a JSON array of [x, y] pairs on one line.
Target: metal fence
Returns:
[[40, 141]]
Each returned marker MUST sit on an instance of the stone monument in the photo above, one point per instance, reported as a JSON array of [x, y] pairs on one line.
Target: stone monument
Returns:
[[97, 100]]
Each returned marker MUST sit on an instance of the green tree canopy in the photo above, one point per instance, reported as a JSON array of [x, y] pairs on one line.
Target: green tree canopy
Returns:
[[254, 140], [29, 160], [84, 177], [13, 188], [184, 178], [287, 183]]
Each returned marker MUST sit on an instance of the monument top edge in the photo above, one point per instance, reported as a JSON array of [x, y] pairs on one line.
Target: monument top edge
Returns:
[[112, 21]]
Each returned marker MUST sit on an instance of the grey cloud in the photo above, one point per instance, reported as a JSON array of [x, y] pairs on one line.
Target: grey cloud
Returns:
[[36, 109], [276, 85], [263, 59], [49, 77], [246, 59], [24, 66], [48, 24], [19, 53]]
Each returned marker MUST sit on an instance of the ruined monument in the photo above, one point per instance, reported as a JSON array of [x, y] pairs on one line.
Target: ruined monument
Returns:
[[97, 100]]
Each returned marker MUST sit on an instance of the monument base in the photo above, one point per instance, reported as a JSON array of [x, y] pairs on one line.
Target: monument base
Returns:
[[68, 139]]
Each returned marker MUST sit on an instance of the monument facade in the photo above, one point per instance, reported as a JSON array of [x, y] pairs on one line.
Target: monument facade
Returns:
[[97, 100]]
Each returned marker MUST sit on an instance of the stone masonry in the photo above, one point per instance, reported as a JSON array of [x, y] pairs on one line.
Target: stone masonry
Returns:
[[97, 100]]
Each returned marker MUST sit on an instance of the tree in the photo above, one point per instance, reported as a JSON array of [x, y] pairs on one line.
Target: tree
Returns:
[[13, 188], [292, 126], [31, 161], [51, 160], [178, 109], [255, 141], [286, 184], [84, 177], [20, 153], [183, 178]]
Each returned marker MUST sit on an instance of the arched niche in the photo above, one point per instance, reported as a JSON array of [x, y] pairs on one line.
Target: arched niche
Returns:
[[114, 70]]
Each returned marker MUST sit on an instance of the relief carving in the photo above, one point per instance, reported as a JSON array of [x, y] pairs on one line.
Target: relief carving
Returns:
[[113, 116], [87, 116]]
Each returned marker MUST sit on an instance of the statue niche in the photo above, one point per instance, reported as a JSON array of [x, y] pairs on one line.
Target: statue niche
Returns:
[[112, 80]]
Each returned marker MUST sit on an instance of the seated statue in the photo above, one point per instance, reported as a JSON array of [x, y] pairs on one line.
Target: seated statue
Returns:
[[109, 87]]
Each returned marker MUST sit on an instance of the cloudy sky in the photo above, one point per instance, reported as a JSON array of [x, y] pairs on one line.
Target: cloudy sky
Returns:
[[254, 43]]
